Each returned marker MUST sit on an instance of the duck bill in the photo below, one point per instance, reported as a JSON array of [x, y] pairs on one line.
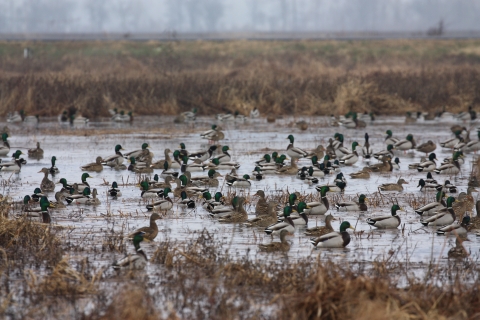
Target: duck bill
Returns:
[[351, 228]]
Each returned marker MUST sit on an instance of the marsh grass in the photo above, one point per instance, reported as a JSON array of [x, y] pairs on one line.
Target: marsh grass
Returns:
[[301, 77]]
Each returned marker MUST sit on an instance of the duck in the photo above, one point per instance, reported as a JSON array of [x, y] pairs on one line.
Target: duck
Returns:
[[122, 117], [283, 245], [93, 201], [293, 151], [145, 167], [211, 180], [46, 185], [78, 121], [159, 164], [393, 186], [406, 144], [450, 168], [225, 156], [164, 204], [319, 152], [424, 186], [195, 166], [384, 166], [185, 201], [156, 184], [208, 133], [288, 170], [266, 219], [428, 166], [215, 164], [473, 145], [367, 150], [94, 166], [301, 219], [334, 239], [351, 158], [447, 186], [239, 215], [213, 203], [243, 182], [36, 152], [427, 147], [257, 173], [53, 170], [362, 174], [319, 207], [457, 229], [168, 172], [59, 197], [79, 198], [41, 211], [66, 188], [396, 164], [286, 224], [114, 160], [338, 185], [114, 191], [150, 193], [5, 149], [459, 250], [135, 261], [443, 218], [138, 154], [261, 208], [450, 143], [387, 222], [14, 166], [462, 144], [37, 195], [388, 152], [389, 139], [204, 155], [254, 113], [352, 205], [15, 117], [321, 230], [84, 182], [429, 178], [431, 208]]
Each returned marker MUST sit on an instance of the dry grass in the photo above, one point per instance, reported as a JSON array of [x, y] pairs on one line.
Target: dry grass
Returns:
[[307, 77]]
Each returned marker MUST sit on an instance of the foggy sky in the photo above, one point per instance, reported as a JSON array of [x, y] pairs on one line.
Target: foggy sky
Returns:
[[157, 16]]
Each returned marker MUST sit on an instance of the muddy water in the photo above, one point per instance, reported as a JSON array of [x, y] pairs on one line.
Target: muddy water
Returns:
[[89, 225]]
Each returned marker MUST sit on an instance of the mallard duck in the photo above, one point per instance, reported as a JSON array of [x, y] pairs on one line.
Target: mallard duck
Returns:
[[215, 164], [135, 261], [185, 201], [93, 201], [84, 182], [151, 231], [14, 166], [46, 185], [225, 156], [212, 203], [334, 239], [144, 168], [406, 144], [450, 168], [211, 180], [319, 207], [208, 133], [389, 139], [319, 152], [239, 215], [301, 219], [79, 198], [450, 143], [53, 169], [257, 173], [78, 121], [388, 152], [41, 211], [37, 195], [447, 186], [293, 151], [261, 208], [430, 179], [288, 170], [150, 193], [283, 245], [456, 228], [475, 221], [163, 204], [473, 145], [286, 224], [156, 184], [59, 197], [243, 182], [352, 158], [428, 166], [352, 205], [387, 222], [339, 185], [15, 117], [427, 147], [393, 186], [114, 160], [442, 218], [254, 113], [66, 188], [367, 150], [431, 208], [321, 230], [195, 166], [363, 174], [122, 117], [137, 154], [94, 166], [396, 164], [384, 166], [159, 164], [168, 172], [424, 186], [221, 211], [266, 219], [5, 149], [114, 191], [204, 155], [459, 250], [36, 153]]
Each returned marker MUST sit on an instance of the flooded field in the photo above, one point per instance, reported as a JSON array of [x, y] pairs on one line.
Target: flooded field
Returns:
[[88, 230]]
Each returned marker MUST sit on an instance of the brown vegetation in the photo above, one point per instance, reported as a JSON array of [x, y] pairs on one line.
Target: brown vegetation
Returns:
[[307, 77]]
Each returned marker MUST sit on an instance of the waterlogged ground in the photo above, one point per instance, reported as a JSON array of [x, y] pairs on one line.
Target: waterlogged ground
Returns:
[[89, 226]]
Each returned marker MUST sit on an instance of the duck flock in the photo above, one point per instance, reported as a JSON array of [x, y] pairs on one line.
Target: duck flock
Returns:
[[186, 179]]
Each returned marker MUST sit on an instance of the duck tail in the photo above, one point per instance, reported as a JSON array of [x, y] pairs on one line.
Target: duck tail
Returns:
[[371, 221]]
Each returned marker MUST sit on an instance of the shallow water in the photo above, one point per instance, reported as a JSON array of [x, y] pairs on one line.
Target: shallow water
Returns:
[[89, 225]]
